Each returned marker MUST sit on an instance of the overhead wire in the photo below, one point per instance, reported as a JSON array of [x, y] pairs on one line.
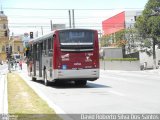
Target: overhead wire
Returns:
[[19, 25], [71, 8]]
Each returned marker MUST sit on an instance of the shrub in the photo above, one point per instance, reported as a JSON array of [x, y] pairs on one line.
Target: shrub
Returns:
[[121, 59]]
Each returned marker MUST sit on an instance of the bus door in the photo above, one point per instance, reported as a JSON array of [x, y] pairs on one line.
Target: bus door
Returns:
[[40, 58], [34, 58]]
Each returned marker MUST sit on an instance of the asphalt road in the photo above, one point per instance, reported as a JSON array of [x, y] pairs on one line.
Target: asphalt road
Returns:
[[113, 92]]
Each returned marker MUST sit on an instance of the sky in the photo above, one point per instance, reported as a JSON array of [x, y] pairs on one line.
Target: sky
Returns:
[[35, 15]]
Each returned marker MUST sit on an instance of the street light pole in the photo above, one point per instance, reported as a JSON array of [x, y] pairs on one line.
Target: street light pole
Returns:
[[9, 65], [12, 42]]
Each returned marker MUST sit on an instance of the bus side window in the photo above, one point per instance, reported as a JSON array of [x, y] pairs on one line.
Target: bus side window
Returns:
[[44, 47], [32, 51], [52, 39], [50, 46], [49, 43], [37, 52], [39, 49]]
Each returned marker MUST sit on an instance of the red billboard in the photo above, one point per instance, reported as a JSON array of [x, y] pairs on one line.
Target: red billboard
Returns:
[[114, 23]]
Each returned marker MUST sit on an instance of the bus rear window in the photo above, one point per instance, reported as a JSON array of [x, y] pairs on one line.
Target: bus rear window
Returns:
[[76, 36]]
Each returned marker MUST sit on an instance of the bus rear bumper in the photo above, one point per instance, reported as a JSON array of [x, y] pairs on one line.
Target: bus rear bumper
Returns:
[[82, 74]]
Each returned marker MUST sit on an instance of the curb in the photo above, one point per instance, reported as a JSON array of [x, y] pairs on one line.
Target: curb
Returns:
[[5, 96], [50, 103]]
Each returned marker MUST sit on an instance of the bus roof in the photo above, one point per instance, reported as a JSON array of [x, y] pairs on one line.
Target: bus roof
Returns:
[[39, 39]]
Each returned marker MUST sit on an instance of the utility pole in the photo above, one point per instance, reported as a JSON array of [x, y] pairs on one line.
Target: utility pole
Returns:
[[8, 52], [12, 38], [42, 30], [9, 65], [37, 34], [69, 12], [51, 25], [73, 20]]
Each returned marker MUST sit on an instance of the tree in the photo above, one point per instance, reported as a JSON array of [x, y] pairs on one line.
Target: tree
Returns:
[[117, 40], [132, 37], [120, 40], [105, 41], [148, 24]]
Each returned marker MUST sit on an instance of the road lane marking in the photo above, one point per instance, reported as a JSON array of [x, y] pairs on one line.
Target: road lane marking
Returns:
[[117, 93]]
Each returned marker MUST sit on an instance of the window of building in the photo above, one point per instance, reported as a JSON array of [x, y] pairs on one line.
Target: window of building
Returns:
[[4, 26], [3, 48], [18, 48], [1, 26], [6, 33]]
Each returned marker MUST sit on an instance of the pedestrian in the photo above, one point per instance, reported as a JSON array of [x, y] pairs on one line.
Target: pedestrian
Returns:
[[28, 65], [15, 64], [12, 64], [20, 64]]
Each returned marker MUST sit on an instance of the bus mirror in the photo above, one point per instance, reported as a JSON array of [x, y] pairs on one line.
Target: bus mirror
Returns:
[[27, 53], [54, 36]]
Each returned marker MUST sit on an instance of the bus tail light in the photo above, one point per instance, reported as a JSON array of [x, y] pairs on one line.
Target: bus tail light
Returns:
[[59, 66], [94, 64]]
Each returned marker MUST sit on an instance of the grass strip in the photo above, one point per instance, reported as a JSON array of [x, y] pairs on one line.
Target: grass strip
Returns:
[[120, 59], [24, 103]]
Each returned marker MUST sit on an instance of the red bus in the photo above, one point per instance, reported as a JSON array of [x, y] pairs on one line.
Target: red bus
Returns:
[[65, 55]]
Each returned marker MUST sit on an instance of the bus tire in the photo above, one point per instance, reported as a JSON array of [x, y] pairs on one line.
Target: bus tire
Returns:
[[46, 83], [81, 82], [34, 79]]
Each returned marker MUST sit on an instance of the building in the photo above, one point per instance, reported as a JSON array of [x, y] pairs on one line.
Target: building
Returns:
[[4, 35], [123, 20], [5, 40], [126, 20], [58, 26], [17, 45]]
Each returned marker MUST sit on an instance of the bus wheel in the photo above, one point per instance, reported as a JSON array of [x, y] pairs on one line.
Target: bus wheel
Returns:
[[81, 82], [34, 79], [45, 79]]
